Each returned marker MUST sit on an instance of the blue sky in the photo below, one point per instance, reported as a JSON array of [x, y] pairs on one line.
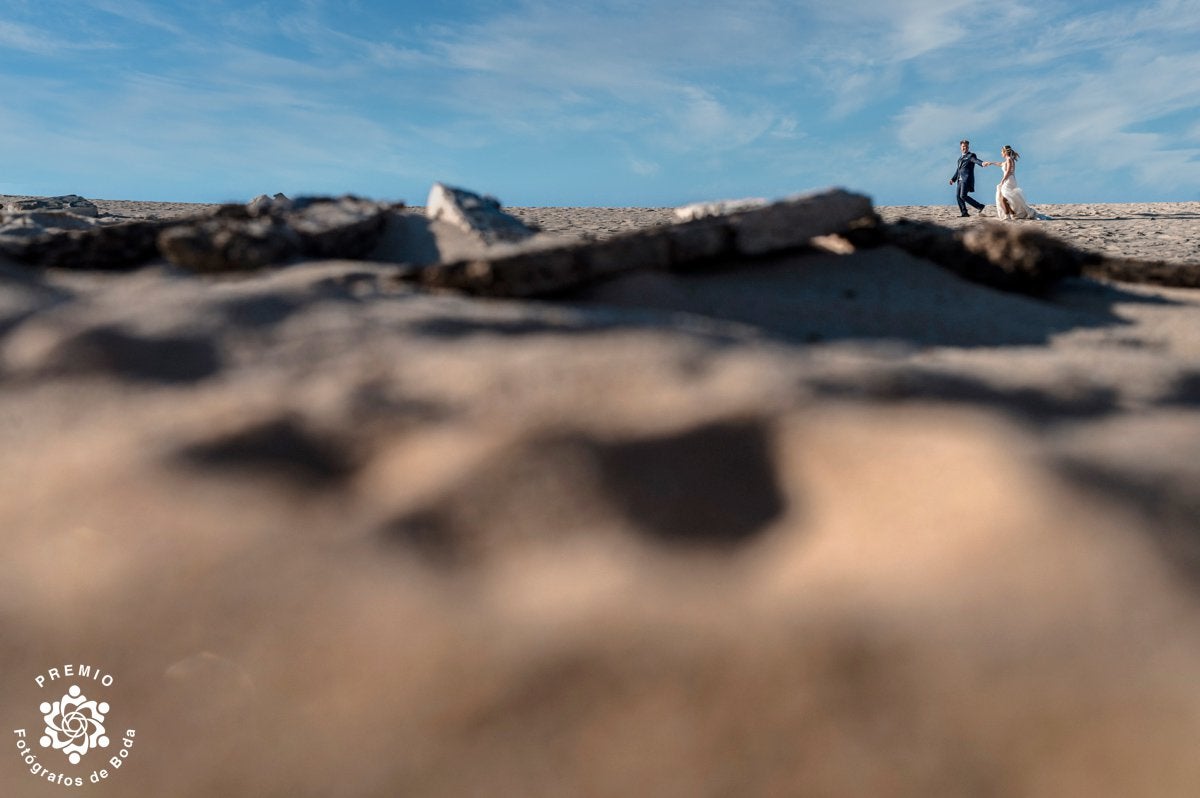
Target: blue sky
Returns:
[[615, 102]]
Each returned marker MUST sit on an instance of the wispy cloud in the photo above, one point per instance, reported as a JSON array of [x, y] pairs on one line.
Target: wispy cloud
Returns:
[[1082, 99], [761, 96], [37, 41], [140, 13], [643, 167]]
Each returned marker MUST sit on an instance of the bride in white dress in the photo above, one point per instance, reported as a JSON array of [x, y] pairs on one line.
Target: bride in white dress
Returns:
[[1010, 199]]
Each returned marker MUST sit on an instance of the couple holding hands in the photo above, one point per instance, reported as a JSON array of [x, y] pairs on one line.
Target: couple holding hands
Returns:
[[1010, 200]]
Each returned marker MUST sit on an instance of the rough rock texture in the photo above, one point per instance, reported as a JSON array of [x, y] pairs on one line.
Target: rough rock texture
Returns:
[[222, 244], [239, 238], [62, 240]]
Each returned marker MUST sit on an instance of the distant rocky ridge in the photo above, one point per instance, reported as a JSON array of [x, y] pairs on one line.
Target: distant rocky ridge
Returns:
[[467, 242]]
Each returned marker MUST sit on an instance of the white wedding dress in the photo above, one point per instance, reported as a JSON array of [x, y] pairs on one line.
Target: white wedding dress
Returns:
[[1010, 191]]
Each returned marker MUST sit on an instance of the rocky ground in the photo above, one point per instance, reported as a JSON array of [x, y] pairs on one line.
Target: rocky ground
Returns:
[[797, 523]]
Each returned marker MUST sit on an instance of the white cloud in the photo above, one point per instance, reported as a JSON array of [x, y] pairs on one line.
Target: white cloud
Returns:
[[1082, 101], [29, 39], [138, 12], [921, 30], [787, 129], [928, 125], [644, 168], [708, 91]]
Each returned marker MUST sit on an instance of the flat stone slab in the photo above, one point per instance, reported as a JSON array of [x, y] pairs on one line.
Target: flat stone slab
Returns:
[[540, 268]]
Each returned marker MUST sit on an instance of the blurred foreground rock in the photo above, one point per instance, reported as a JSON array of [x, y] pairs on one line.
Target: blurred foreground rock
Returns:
[[734, 516]]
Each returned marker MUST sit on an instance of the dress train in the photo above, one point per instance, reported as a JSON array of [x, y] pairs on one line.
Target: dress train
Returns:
[[1010, 191]]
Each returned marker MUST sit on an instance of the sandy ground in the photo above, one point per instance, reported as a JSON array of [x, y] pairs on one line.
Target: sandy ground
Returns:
[[815, 525]]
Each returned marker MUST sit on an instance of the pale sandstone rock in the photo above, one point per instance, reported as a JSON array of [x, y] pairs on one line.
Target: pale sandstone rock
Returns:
[[792, 222], [262, 204], [699, 210], [475, 214]]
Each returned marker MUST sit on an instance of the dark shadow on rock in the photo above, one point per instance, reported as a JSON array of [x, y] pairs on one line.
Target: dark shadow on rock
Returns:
[[375, 401], [282, 447], [1028, 405], [1170, 509], [882, 294], [1012, 258], [116, 247], [431, 536], [1100, 296], [709, 487], [258, 311], [23, 294], [1186, 391], [460, 327], [1146, 272], [712, 485], [566, 318], [111, 349], [406, 238]]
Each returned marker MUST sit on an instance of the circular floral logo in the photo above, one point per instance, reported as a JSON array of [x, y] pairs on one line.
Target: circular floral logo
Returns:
[[74, 725]]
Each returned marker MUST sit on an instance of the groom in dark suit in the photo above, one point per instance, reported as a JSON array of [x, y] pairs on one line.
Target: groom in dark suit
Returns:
[[964, 175]]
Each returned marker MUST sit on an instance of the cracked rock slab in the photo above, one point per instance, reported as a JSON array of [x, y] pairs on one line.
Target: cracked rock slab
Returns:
[[541, 268]]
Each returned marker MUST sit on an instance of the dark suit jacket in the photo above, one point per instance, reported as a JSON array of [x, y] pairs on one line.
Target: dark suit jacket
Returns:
[[966, 170]]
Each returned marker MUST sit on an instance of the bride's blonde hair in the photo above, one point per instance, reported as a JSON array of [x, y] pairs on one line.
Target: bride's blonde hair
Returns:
[[1007, 150]]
